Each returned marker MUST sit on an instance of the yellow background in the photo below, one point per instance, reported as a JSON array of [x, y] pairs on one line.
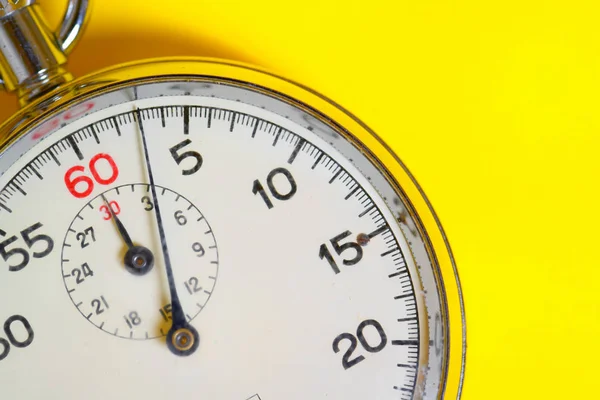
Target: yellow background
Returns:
[[494, 106]]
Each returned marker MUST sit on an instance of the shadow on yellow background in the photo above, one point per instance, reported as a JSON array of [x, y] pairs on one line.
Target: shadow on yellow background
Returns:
[[96, 52]]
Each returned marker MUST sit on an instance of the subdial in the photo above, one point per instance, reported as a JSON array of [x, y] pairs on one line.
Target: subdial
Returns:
[[107, 249]]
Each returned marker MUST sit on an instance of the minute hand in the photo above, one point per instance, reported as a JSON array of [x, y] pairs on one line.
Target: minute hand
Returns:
[[182, 338]]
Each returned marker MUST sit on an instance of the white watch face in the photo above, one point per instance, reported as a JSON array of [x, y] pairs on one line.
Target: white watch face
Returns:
[[281, 251]]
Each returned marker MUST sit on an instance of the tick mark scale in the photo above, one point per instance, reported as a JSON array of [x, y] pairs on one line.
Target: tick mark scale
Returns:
[[203, 163]]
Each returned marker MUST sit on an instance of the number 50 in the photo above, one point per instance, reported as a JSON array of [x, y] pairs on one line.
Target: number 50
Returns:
[[20, 343]]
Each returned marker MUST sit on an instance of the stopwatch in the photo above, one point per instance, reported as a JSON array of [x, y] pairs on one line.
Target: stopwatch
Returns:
[[202, 228]]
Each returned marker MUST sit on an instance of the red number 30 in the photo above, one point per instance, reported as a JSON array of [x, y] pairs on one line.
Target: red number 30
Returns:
[[81, 186], [116, 209]]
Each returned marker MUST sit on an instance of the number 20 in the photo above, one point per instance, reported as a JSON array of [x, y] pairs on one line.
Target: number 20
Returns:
[[347, 362]]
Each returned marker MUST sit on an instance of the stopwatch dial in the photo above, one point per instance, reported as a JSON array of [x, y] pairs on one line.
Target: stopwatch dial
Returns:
[[318, 295], [118, 299]]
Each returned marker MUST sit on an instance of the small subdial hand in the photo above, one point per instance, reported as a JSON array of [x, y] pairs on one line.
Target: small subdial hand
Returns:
[[182, 338], [138, 260]]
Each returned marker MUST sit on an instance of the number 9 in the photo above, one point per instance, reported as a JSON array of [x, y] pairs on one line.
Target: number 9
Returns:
[[197, 247]]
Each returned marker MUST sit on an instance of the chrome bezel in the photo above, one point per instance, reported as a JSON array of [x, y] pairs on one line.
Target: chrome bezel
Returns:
[[442, 358]]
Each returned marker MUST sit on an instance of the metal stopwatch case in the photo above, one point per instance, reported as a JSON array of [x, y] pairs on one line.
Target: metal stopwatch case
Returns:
[[199, 227]]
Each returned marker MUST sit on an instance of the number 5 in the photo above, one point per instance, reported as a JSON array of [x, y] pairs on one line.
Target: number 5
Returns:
[[186, 154]]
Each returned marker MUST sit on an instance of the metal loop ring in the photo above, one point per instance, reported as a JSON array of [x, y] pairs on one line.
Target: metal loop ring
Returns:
[[72, 24], [73, 21]]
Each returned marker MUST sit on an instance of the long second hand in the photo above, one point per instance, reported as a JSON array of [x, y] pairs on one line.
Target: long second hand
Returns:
[[182, 338]]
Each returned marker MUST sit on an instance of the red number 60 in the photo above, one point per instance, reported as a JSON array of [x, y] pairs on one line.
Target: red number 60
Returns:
[[88, 184]]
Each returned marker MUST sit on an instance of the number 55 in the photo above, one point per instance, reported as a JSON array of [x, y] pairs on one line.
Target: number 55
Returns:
[[29, 241]]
